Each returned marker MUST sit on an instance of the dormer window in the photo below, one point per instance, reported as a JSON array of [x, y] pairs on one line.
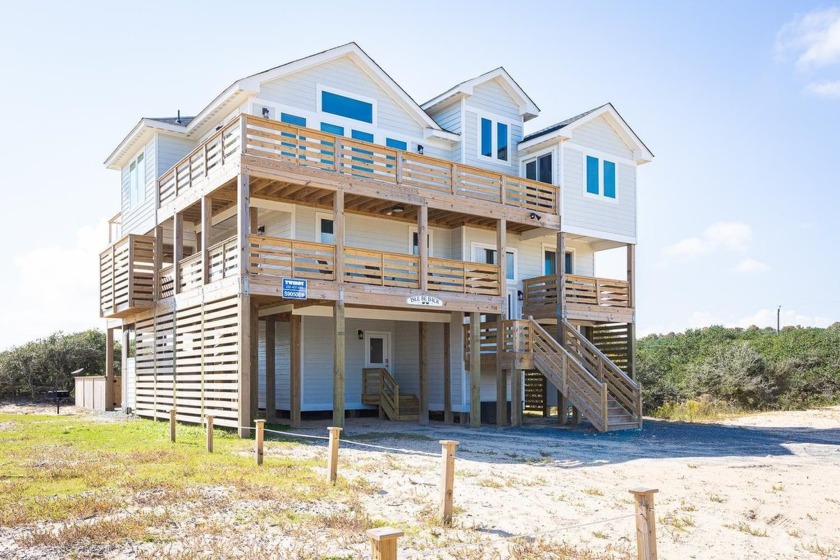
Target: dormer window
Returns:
[[347, 107], [494, 139]]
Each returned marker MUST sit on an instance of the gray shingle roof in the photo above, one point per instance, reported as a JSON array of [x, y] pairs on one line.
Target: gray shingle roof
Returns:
[[557, 126], [173, 120]]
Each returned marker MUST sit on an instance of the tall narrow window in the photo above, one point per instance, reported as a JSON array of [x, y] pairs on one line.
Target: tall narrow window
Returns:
[[493, 139], [592, 182], [326, 233], [137, 180], [502, 141]]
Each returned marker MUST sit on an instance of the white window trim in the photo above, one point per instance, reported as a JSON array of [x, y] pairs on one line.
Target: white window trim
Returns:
[[533, 157], [547, 247], [318, 217], [494, 138], [319, 89], [600, 196], [142, 184], [478, 245], [411, 231]]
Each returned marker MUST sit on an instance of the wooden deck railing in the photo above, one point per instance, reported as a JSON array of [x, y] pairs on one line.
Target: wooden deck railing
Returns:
[[273, 257], [126, 275], [223, 259], [307, 147], [541, 292], [199, 163], [190, 272]]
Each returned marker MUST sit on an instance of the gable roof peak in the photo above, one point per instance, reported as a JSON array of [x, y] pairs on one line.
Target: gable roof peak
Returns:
[[527, 108]]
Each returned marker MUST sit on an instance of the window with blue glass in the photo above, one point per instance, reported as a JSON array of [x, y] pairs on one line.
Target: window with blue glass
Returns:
[[397, 144], [348, 107], [494, 139], [600, 177]]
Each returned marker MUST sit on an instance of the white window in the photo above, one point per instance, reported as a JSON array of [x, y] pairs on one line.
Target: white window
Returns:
[[493, 139], [540, 168], [413, 237], [325, 229], [137, 181]]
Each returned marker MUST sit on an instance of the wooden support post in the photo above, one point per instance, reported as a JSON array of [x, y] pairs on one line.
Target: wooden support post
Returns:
[[423, 416], [475, 370], [208, 420], [206, 227], [645, 523], [560, 271], [516, 397], [562, 409], [177, 249], [260, 440], [295, 369], [423, 245], [575, 416], [383, 543], [243, 231], [332, 458], [255, 363], [124, 345], [338, 234], [157, 257], [172, 424], [501, 378], [447, 373], [270, 370], [631, 303], [109, 369], [338, 364], [447, 480]]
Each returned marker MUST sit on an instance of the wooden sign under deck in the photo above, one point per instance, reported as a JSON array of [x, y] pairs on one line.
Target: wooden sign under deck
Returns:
[[430, 301]]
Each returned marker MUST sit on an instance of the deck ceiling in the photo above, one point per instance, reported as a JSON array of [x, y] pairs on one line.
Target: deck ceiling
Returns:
[[323, 198]]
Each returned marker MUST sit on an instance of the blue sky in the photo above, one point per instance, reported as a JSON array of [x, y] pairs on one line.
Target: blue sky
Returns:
[[740, 102]]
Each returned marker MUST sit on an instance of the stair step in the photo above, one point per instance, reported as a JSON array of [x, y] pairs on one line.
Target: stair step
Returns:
[[622, 426]]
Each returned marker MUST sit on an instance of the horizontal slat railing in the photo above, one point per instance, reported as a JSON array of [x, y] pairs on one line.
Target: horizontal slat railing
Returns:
[[379, 268], [312, 148], [199, 163], [166, 278], [389, 396], [223, 259], [126, 271], [621, 387], [541, 292], [286, 258], [190, 272]]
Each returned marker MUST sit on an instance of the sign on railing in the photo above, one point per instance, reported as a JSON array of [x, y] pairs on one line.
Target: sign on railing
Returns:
[[294, 289]]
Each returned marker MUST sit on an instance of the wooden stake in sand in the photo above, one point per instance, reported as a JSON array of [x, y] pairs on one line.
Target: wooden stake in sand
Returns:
[[209, 420], [383, 543], [172, 424], [447, 480], [260, 439], [645, 523], [332, 460]]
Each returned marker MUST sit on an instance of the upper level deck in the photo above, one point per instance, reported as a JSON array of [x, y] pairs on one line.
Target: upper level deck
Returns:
[[309, 158]]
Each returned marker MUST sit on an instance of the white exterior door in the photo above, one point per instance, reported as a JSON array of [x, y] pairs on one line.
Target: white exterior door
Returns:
[[378, 350]]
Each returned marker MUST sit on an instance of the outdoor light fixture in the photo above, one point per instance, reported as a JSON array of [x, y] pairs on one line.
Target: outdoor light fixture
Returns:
[[420, 149], [520, 296], [261, 230], [361, 334], [397, 210], [535, 216], [265, 112]]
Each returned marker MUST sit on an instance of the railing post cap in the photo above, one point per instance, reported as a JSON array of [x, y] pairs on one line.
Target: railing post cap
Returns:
[[448, 442], [384, 533], [258, 422], [642, 490], [335, 429]]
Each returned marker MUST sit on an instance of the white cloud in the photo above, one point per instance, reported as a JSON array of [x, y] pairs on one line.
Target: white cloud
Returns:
[[747, 266], [58, 289], [814, 36], [824, 89], [727, 236]]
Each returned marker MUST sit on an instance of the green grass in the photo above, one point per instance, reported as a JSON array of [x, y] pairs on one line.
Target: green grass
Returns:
[[69, 468]]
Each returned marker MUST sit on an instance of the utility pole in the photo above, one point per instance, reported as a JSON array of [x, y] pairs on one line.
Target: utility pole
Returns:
[[778, 319]]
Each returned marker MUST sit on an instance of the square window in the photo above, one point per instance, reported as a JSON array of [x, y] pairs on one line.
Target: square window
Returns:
[[601, 178]]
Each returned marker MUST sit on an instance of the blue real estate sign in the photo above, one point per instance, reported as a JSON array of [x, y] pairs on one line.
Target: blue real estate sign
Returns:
[[294, 289]]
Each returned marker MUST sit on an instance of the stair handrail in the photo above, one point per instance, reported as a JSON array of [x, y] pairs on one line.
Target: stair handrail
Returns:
[[596, 413], [632, 400], [389, 394]]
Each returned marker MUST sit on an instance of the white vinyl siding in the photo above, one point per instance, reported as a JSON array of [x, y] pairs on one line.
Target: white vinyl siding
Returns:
[[491, 97], [449, 118], [472, 140], [282, 332], [170, 151], [599, 135], [592, 213], [300, 90], [140, 217]]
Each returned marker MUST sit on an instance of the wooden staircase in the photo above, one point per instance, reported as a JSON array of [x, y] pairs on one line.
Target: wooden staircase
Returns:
[[380, 389], [589, 380]]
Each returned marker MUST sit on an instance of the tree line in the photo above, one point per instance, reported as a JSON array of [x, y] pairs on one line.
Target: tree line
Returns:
[[746, 369], [33, 368]]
